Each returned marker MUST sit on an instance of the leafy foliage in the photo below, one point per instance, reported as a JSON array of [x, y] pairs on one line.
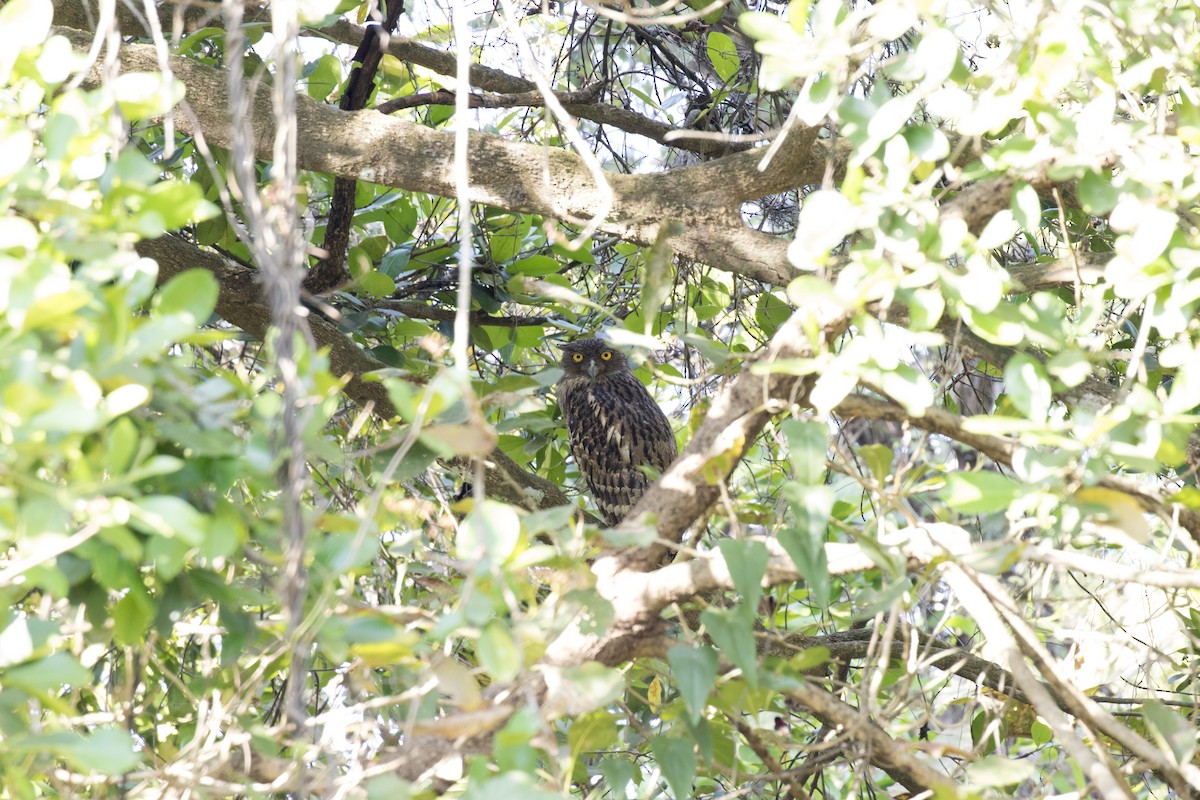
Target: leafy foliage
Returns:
[[962, 524]]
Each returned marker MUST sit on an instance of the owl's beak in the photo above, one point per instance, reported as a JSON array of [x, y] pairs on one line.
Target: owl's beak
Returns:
[[592, 369]]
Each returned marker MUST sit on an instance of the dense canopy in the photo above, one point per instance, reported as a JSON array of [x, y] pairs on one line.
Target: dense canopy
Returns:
[[287, 507]]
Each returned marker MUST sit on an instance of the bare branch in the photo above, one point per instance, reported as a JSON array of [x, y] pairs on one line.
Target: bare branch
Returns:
[[894, 758]]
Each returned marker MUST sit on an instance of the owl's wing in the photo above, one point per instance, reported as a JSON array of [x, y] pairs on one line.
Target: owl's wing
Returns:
[[645, 427], [661, 449]]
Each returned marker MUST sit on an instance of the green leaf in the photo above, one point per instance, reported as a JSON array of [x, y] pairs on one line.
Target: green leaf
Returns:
[[995, 771], [507, 786], [169, 555], [908, 386], [747, 563], [21, 638], [490, 532], [938, 52], [48, 674], [175, 204], [166, 515], [108, 750], [771, 312], [536, 266], [131, 616], [377, 284], [1097, 194], [1001, 325], [581, 254], [1026, 207], [732, 631], [192, 293], [324, 76], [514, 743], [676, 758], [499, 652], [695, 671], [211, 231], [1147, 228], [506, 242], [804, 538], [878, 458], [1172, 732], [1188, 496], [642, 536], [826, 218], [583, 688], [808, 658], [23, 24], [346, 552], [618, 773], [980, 492], [126, 398], [807, 445], [723, 54], [142, 95], [1028, 387], [388, 787], [1000, 229], [1072, 367]]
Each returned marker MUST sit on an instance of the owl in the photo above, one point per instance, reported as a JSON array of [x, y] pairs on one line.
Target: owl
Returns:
[[615, 426]]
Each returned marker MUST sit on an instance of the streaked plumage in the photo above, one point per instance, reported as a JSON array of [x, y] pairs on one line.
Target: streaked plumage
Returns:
[[614, 425]]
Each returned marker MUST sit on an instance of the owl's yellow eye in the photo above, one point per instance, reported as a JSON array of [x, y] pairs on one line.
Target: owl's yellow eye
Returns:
[[606, 355], [577, 357]]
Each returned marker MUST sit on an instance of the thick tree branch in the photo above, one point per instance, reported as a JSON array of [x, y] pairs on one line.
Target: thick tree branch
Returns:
[[367, 145]]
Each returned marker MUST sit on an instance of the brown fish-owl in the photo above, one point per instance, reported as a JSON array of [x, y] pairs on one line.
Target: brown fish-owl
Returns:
[[614, 424]]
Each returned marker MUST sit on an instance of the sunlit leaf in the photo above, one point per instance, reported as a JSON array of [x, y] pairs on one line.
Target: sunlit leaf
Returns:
[[979, 492], [723, 55], [998, 771]]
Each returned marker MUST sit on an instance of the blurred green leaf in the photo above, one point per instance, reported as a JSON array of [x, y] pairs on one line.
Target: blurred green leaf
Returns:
[[107, 750], [995, 771], [980, 492], [694, 670], [677, 760]]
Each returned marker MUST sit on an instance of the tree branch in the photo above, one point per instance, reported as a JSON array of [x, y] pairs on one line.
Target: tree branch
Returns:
[[896, 759], [735, 418], [445, 97], [331, 273], [1002, 451], [240, 302], [371, 146]]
